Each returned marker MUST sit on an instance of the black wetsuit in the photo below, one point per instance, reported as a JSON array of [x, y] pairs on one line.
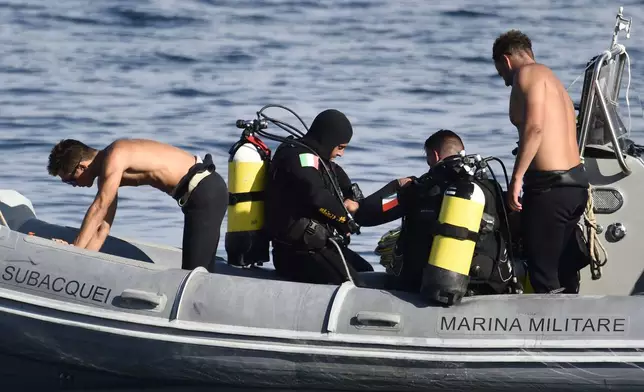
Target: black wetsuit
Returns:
[[203, 214], [553, 202], [303, 210], [419, 204]]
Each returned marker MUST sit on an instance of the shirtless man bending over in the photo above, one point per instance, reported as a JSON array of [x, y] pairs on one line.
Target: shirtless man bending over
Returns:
[[547, 167], [200, 192]]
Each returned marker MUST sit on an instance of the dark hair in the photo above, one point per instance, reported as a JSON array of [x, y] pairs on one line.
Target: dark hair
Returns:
[[511, 42], [66, 155], [445, 142]]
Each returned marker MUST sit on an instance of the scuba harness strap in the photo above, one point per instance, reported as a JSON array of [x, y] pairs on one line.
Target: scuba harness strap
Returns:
[[234, 198], [458, 232], [182, 187]]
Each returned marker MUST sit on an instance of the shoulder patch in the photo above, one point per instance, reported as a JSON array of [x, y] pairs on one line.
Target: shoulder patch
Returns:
[[389, 202], [309, 160]]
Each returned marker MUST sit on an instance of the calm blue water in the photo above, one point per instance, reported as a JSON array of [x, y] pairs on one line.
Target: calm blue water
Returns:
[[183, 71]]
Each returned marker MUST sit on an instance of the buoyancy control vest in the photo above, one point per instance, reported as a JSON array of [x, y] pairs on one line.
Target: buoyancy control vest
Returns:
[[301, 213], [491, 270], [491, 267]]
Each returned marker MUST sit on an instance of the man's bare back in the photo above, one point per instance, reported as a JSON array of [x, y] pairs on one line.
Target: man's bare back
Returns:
[[147, 162], [558, 149]]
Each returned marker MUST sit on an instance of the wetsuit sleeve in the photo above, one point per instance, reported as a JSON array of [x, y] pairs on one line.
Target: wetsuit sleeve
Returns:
[[343, 180], [307, 171], [381, 207]]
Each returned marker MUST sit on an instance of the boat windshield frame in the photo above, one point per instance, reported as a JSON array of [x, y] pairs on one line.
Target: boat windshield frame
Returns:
[[599, 123]]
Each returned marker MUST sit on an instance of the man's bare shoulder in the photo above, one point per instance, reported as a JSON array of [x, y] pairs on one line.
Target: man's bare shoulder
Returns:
[[530, 74], [117, 146], [117, 153]]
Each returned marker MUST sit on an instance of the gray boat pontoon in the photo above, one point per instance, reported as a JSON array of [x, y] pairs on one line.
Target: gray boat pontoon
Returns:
[[129, 316]]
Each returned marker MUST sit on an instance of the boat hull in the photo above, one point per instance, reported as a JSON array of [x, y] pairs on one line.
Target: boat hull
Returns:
[[130, 318], [90, 352]]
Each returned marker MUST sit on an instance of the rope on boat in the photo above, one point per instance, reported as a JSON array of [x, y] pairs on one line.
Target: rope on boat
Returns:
[[595, 248]]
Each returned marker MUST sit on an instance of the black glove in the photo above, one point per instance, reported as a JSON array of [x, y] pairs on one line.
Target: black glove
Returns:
[[354, 228], [356, 192]]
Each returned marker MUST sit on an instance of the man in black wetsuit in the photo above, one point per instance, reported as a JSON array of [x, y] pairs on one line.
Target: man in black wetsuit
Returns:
[[303, 208], [418, 202], [199, 190]]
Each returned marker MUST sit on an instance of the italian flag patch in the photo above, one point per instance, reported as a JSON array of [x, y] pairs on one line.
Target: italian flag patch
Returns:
[[309, 160], [389, 202]]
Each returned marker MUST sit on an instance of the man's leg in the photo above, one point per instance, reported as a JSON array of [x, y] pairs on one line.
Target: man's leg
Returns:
[[204, 214], [324, 266], [337, 271], [542, 231], [572, 257], [287, 263], [356, 261], [547, 223]]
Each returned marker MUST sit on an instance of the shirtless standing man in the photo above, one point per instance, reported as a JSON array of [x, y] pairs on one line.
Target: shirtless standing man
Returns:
[[547, 166], [200, 191]]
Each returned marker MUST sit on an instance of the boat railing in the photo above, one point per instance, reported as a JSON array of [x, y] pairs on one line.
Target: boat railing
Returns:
[[600, 123]]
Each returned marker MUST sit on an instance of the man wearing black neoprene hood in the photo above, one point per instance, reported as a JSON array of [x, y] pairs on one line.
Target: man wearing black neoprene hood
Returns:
[[303, 208]]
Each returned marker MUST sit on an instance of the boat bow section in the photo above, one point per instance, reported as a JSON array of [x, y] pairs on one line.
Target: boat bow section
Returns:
[[58, 272]]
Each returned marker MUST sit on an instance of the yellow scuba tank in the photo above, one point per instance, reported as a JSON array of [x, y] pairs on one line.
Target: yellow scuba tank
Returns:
[[446, 276], [246, 243]]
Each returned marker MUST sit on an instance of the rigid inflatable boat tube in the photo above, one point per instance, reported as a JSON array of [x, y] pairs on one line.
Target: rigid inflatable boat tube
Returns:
[[245, 241], [446, 276]]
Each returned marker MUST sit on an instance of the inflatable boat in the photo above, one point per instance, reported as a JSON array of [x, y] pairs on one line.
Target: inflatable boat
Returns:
[[129, 317]]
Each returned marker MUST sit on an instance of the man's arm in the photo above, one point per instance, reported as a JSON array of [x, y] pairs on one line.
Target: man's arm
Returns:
[[103, 208], [381, 207], [103, 231], [534, 95], [343, 180]]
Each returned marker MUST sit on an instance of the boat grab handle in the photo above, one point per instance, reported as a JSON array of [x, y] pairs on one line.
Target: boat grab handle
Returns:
[[377, 320], [139, 299]]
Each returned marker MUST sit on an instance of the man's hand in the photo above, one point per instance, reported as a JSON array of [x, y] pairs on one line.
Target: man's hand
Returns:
[[403, 181], [58, 240], [513, 194], [351, 206]]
